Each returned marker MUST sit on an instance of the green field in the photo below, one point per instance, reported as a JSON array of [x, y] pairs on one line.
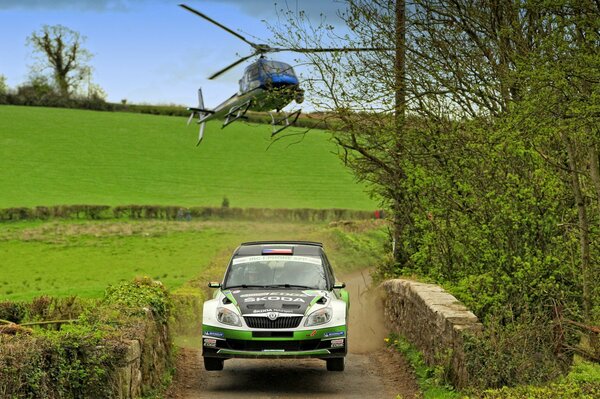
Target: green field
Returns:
[[52, 156], [64, 258]]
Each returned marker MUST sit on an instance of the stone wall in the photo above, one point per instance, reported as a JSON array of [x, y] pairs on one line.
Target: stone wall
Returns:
[[433, 321], [147, 360]]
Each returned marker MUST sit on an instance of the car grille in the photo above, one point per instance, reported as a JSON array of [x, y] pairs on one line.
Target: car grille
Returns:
[[280, 322], [260, 345]]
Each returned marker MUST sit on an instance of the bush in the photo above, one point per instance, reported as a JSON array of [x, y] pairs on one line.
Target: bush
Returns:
[[168, 212], [82, 359], [583, 382], [12, 311], [139, 296], [518, 353]]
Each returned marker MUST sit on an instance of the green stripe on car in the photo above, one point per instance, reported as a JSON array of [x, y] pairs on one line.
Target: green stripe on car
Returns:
[[298, 335]]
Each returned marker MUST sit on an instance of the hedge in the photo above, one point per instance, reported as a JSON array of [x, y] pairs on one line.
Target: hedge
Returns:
[[166, 212]]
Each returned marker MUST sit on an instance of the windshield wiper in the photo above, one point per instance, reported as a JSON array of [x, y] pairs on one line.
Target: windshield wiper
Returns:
[[245, 286], [290, 286]]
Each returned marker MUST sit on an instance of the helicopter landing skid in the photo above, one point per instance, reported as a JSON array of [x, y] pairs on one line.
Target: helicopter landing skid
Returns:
[[236, 112], [286, 121]]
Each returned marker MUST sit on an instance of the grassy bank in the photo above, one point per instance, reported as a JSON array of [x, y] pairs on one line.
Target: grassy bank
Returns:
[[54, 156], [62, 258]]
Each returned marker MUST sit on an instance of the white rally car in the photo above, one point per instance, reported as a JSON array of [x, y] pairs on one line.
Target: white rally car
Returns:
[[278, 299]]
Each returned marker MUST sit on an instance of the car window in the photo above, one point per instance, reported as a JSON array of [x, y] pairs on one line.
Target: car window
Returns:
[[307, 271]]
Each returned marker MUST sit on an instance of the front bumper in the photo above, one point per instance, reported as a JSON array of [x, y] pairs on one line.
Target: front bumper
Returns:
[[307, 343]]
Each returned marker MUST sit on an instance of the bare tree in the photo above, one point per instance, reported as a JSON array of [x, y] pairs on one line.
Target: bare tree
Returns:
[[60, 50]]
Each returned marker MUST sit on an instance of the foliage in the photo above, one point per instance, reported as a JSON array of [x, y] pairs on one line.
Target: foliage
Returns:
[[523, 352], [139, 297], [61, 50], [430, 380], [81, 359], [583, 382], [12, 311], [3, 87], [482, 141], [149, 212]]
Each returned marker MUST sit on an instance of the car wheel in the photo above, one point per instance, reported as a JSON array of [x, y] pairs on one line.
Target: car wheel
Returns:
[[336, 364], [213, 363]]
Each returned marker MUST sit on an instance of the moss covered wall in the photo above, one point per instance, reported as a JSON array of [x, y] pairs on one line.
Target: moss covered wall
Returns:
[[432, 320]]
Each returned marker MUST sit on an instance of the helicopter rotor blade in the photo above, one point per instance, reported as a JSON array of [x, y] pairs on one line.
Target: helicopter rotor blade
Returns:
[[332, 49], [234, 64], [209, 19]]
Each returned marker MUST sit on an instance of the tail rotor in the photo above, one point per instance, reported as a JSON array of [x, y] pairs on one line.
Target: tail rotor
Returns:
[[203, 115]]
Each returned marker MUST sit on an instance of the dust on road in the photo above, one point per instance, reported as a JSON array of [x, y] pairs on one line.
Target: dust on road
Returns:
[[371, 369]]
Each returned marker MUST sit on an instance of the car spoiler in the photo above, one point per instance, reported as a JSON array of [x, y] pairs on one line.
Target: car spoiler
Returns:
[[314, 243]]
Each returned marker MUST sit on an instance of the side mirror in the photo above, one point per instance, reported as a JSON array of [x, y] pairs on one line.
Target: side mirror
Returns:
[[214, 284], [339, 286]]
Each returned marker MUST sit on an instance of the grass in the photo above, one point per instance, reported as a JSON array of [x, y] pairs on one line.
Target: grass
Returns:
[[53, 156], [430, 380], [582, 382], [64, 258]]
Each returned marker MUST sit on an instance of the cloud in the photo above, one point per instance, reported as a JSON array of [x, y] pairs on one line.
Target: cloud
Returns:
[[258, 8], [80, 5]]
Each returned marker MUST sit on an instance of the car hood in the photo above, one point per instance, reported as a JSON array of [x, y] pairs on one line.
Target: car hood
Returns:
[[292, 301]]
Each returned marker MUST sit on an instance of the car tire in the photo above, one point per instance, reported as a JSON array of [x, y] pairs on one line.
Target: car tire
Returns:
[[213, 364], [336, 364]]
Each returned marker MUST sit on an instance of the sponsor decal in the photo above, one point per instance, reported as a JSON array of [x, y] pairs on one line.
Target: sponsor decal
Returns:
[[337, 343], [274, 298], [282, 258], [274, 293], [210, 342], [313, 333], [334, 334], [260, 311], [217, 334], [235, 292]]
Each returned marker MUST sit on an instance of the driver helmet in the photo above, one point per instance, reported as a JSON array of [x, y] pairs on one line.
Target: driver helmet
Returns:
[[254, 274]]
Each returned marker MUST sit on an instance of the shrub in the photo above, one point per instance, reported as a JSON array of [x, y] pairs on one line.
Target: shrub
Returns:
[[140, 296], [517, 353], [12, 311], [83, 359]]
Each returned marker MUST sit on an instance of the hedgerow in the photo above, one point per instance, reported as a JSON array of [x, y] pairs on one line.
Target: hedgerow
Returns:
[[79, 357], [170, 212]]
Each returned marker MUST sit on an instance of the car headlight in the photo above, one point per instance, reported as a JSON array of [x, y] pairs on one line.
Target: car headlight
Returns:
[[227, 316], [320, 316]]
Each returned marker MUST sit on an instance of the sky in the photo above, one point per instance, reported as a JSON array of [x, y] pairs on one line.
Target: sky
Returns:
[[151, 51]]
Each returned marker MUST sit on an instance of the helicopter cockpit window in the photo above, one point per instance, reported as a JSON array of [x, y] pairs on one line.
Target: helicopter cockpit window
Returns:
[[278, 67], [252, 72], [250, 80]]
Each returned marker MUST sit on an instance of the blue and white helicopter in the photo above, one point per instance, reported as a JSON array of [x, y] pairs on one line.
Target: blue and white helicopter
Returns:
[[266, 86]]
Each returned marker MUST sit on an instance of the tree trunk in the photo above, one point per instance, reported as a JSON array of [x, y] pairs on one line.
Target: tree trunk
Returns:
[[400, 110], [584, 235]]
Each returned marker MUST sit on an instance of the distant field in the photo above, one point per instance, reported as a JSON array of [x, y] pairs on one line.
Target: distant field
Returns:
[[66, 258], [60, 156]]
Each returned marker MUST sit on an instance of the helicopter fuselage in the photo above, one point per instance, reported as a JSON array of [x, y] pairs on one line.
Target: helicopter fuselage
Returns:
[[265, 86]]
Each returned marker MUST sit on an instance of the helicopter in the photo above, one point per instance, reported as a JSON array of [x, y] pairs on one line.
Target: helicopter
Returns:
[[266, 86]]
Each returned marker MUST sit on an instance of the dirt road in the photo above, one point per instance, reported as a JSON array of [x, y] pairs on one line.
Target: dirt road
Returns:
[[371, 370]]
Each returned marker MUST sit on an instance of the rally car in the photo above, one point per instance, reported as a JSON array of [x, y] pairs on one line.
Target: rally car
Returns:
[[278, 299]]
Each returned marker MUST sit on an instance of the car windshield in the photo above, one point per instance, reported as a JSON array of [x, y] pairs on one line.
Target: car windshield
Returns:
[[276, 271]]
